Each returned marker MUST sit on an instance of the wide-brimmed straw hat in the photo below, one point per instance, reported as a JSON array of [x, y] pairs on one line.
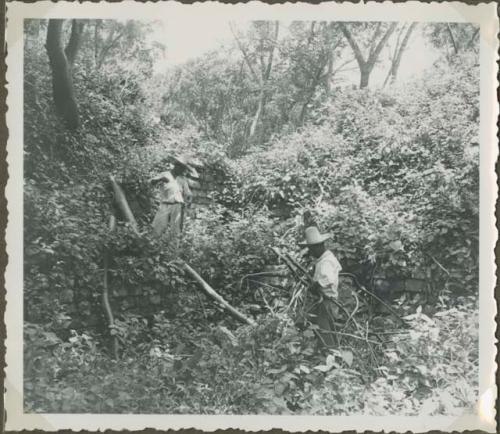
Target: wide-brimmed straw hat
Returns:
[[181, 159], [185, 162], [313, 236]]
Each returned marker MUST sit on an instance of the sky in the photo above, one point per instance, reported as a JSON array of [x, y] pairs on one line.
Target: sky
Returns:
[[183, 44]]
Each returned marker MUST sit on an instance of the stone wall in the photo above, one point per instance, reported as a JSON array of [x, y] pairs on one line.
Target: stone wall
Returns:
[[205, 188]]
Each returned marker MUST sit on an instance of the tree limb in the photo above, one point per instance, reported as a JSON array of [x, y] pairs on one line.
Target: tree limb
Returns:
[[111, 42], [374, 38], [214, 295], [354, 45], [271, 53], [122, 203], [376, 52], [452, 37], [75, 40], [105, 294], [473, 37], [245, 54]]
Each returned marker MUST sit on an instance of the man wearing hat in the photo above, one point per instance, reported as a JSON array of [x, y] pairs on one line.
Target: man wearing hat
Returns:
[[325, 281], [185, 180], [168, 219]]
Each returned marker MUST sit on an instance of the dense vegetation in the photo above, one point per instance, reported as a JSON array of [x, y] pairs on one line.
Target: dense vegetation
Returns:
[[391, 172]]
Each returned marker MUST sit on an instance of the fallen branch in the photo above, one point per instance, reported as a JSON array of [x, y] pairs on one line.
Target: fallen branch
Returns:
[[214, 295], [439, 265], [361, 338], [265, 302], [290, 266], [105, 294], [261, 274], [122, 203]]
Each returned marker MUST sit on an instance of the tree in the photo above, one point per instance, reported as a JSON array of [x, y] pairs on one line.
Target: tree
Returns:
[[399, 49], [309, 53], [260, 57], [376, 43], [453, 38], [61, 63]]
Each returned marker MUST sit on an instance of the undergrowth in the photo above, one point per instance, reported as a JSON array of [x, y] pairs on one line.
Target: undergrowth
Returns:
[[430, 368]]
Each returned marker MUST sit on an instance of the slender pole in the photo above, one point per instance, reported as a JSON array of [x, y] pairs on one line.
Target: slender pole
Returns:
[[105, 293], [215, 296], [122, 203]]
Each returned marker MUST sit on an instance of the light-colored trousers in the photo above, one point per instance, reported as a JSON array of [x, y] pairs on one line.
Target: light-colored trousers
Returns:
[[167, 221]]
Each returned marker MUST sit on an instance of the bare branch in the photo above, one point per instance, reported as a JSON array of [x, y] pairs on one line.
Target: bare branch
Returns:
[[376, 52], [75, 40], [271, 53], [354, 45], [452, 37], [245, 54], [473, 37]]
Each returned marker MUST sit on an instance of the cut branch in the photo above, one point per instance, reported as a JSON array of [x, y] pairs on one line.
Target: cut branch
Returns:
[[215, 296], [122, 203], [105, 294]]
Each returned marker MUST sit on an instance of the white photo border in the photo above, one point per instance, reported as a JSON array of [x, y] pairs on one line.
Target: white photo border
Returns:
[[483, 14]]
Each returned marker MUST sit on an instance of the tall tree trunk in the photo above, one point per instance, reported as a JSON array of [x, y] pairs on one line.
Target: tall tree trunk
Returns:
[[398, 54], [256, 117], [318, 76], [97, 28], [452, 38], [265, 74], [62, 80], [75, 41], [365, 72], [366, 65]]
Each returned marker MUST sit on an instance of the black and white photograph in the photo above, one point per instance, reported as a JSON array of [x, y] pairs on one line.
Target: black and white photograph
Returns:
[[229, 215]]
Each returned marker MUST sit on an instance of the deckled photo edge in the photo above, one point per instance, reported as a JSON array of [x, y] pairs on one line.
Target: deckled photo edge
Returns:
[[16, 419]]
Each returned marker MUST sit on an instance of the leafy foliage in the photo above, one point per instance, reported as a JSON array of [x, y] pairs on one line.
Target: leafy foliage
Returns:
[[273, 368]]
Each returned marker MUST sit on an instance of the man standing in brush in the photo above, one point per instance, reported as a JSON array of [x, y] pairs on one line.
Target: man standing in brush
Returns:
[[325, 282], [174, 193]]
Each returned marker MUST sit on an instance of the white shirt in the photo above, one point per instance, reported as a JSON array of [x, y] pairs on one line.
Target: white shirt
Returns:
[[170, 191], [326, 273]]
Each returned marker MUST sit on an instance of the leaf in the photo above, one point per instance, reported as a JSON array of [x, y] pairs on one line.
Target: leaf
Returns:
[[305, 369], [422, 369], [392, 356], [396, 245], [323, 368], [278, 370], [330, 361], [347, 356]]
